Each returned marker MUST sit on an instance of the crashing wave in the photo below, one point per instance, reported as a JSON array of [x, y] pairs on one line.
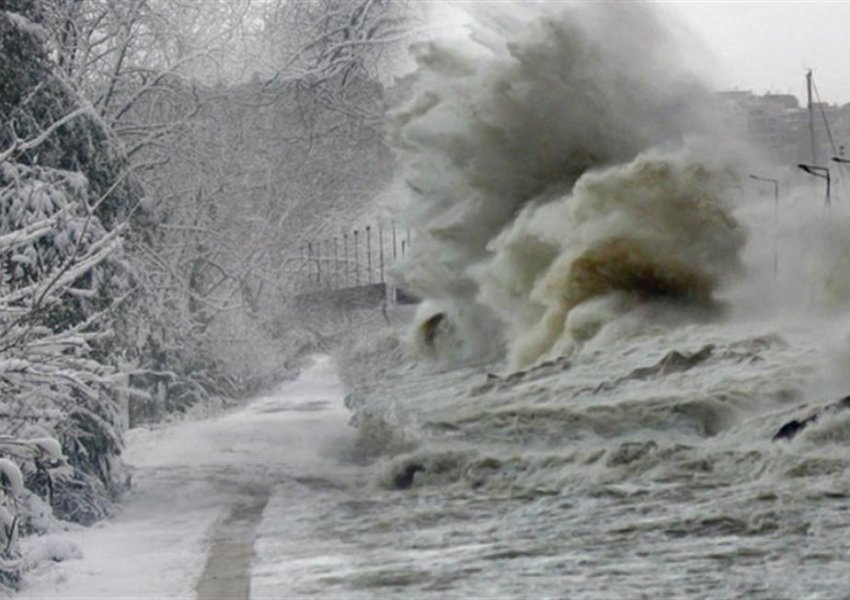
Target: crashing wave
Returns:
[[558, 171]]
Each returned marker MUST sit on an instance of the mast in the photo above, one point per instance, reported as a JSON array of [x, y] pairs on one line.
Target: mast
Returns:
[[811, 117]]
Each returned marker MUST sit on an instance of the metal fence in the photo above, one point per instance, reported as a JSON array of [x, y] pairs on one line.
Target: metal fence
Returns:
[[354, 259]]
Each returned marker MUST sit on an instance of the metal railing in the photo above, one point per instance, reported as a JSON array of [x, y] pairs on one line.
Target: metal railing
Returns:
[[353, 259]]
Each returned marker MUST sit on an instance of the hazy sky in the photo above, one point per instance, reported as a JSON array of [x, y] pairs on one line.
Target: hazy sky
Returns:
[[768, 45], [760, 45]]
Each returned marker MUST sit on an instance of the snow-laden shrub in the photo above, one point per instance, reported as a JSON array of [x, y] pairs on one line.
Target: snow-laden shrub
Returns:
[[60, 433], [24, 510]]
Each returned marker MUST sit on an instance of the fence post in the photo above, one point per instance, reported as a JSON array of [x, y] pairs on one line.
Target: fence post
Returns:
[[318, 265], [394, 242], [336, 264], [309, 265], [345, 251], [327, 264], [304, 268], [317, 259], [356, 259], [381, 250], [369, 253]]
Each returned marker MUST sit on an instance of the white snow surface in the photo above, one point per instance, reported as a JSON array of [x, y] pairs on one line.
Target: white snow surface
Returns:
[[187, 477]]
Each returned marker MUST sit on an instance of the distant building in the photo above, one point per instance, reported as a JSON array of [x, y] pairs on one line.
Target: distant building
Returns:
[[782, 101], [780, 125]]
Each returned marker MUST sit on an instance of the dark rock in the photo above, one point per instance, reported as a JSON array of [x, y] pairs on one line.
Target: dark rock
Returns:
[[790, 429], [430, 328], [403, 480]]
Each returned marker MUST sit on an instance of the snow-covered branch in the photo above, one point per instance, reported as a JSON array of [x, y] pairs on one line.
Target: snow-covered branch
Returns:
[[19, 145]]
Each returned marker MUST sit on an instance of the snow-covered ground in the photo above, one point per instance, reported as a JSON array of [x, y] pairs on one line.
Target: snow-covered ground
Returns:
[[190, 479]]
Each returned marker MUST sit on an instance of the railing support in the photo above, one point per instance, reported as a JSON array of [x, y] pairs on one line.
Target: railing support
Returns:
[[369, 253], [356, 259]]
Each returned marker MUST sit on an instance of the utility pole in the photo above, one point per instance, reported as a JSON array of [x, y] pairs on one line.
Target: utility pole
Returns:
[[775, 184], [811, 117]]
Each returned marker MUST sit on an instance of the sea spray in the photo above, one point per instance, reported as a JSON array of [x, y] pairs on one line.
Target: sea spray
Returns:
[[655, 228], [550, 161], [797, 258], [652, 442]]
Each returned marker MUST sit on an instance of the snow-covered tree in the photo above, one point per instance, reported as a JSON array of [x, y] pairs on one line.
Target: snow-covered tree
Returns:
[[59, 267], [65, 201], [239, 165]]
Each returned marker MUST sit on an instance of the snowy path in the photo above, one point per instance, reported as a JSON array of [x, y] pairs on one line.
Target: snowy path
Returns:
[[228, 570], [200, 490]]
